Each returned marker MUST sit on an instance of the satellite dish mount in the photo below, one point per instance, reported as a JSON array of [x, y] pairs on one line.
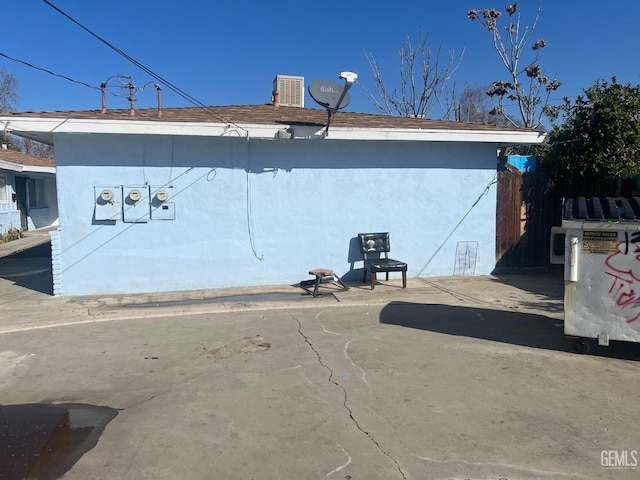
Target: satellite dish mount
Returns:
[[332, 96]]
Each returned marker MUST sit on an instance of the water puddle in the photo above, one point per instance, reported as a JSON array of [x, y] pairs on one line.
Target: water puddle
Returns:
[[259, 297], [42, 442]]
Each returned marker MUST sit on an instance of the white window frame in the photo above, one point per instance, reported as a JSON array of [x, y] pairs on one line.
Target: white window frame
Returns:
[[4, 195]]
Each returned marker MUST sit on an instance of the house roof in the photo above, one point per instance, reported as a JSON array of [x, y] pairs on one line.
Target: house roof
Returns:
[[262, 121], [264, 115], [22, 162]]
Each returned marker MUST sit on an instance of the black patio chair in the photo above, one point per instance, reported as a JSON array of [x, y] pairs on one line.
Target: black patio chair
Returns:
[[375, 249]]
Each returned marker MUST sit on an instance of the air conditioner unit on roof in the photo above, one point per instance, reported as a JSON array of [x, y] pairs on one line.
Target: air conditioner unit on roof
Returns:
[[291, 90]]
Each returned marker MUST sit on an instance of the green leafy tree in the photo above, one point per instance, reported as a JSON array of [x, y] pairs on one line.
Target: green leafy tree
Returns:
[[526, 86], [597, 135]]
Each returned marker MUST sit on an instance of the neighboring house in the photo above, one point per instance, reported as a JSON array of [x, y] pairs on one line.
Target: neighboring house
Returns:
[[254, 195], [27, 191]]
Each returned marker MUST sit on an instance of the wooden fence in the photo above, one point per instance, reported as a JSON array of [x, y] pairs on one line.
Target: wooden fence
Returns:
[[527, 209]]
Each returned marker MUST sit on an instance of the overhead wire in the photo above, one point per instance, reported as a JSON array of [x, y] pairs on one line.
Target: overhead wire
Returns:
[[8, 57], [79, 82], [184, 95], [485, 192], [250, 229], [147, 70], [126, 82]]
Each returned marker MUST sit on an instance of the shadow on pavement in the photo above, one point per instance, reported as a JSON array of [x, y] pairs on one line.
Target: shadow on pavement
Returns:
[[43, 441], [515, 328], [549, 285], [542, 292], [30, 269]]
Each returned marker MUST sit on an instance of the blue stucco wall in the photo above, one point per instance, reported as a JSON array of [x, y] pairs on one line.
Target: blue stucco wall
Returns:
[[266, 212], [9, 214], [45, 216]]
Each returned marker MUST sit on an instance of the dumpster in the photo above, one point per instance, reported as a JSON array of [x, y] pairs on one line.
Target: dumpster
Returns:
[[601, 270]]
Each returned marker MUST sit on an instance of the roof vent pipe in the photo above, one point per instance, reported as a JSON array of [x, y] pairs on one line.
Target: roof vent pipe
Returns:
[[103, 87], [132, 110], [159, 89]]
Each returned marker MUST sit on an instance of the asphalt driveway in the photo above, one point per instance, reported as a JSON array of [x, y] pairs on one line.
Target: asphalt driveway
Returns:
[[402, 389]]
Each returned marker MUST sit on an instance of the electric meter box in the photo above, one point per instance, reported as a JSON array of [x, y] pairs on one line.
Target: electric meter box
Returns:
[[163, 211], [161, 208], [108, 202], [135, 204], [601, 270]]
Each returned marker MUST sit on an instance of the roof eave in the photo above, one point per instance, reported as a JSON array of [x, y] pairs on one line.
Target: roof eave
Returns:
[[17, 167], [34, 169], [14, 167], [43, 129], [510, 137]]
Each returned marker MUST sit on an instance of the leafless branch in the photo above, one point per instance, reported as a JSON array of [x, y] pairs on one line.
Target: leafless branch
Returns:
[[8, 91], [510, 45], [422, 84]]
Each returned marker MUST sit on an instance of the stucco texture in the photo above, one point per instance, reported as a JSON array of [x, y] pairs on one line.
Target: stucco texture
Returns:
[[258, 212]]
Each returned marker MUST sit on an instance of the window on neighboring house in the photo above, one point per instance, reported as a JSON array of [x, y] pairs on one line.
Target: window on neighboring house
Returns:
[[36, 193], [3, 189]]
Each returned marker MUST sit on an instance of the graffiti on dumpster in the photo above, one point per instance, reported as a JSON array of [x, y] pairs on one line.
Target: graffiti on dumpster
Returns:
[[624, 268]]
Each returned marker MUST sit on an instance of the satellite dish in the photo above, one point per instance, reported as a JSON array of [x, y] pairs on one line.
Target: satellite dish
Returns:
[[332, 96], [327, 94]]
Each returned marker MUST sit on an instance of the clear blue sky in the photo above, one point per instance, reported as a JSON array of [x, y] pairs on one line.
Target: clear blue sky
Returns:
[[227, 53]]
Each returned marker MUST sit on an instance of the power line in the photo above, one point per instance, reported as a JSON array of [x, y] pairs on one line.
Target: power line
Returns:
[[48, 71], [79, 82], [145, 69]]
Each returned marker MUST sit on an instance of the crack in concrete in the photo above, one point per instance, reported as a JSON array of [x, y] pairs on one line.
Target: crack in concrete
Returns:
[[345, 398], [137, 404]]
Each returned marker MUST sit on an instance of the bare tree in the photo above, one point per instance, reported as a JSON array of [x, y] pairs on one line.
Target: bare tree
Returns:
[[531, 95], [473, 106], [37, 149], [423, 81], [8, 96], [8, 90]]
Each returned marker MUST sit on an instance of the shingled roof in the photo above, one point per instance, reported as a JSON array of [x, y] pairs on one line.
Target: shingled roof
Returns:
[[260, 122], [20, 158], [265, 115]]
